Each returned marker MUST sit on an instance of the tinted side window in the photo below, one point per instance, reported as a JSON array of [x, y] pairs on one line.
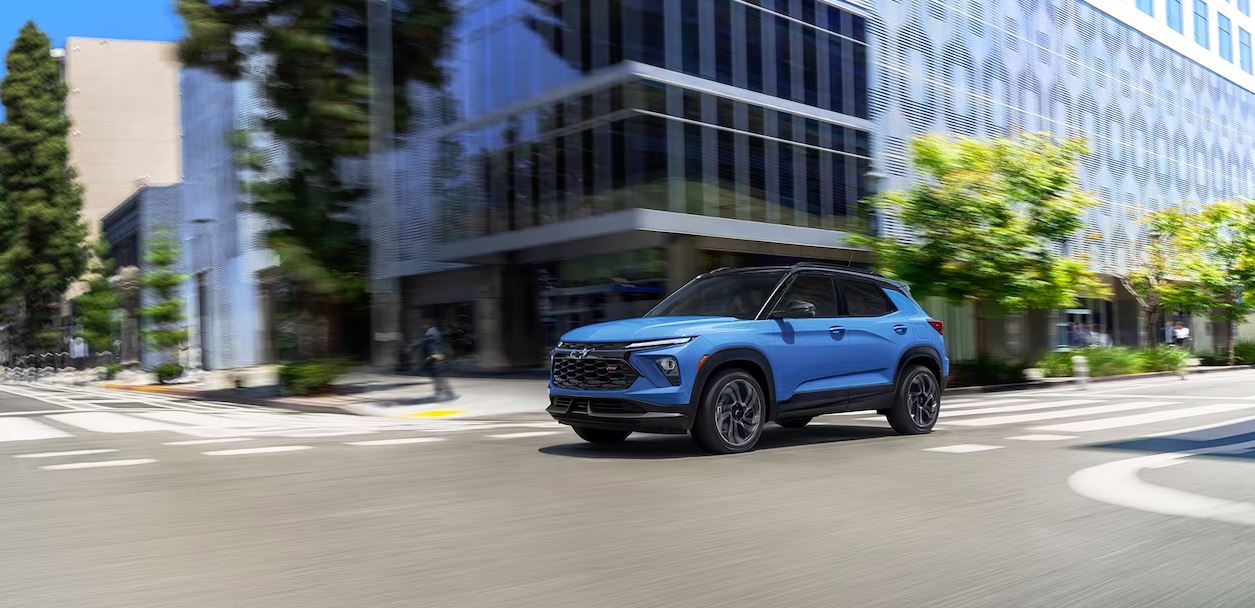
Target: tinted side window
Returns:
[[865, 299], [816, 289]]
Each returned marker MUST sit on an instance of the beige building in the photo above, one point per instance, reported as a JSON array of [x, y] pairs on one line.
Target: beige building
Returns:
[[123, 104]]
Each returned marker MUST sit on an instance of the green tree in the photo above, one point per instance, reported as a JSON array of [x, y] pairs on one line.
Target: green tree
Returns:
[[95, 311], [41, 236], [1218, 257], [988, 221], [164, 318], [318, 83], [1156, 283]]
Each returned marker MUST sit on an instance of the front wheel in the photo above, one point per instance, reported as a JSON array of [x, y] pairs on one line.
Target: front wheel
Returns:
[[917, 402], [730, 418], [593, 435]]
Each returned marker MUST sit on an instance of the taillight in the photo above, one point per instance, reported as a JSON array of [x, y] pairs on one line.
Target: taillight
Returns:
[[938, 325]]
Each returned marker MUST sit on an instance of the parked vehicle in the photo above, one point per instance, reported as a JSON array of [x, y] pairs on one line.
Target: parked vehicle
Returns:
[[737, 348]]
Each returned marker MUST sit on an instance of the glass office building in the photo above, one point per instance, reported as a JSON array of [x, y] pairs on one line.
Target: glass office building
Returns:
[[587, 156]]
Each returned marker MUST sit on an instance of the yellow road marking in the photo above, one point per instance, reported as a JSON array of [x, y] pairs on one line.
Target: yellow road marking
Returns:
[[433, 414]]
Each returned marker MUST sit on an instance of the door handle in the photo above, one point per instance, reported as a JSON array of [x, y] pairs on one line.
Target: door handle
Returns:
[[901, 329], [837, 331]]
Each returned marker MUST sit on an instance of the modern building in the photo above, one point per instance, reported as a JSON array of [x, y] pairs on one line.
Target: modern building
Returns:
[[585, 158], [123, 104], [1161, 89]]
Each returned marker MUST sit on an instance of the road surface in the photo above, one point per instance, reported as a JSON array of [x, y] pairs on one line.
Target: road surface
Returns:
[[1132, 493]]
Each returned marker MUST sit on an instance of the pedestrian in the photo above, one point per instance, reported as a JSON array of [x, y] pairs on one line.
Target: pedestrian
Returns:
[[433, 357], [1181, 335]]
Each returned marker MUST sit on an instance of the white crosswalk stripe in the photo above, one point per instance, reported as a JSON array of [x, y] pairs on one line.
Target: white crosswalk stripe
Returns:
[[1216, 430], [1124, 421], [1052, 415], [25, 429]]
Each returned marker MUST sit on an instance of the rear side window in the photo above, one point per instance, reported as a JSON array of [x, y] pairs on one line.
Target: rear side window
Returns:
[[816, 289], [865, 299]]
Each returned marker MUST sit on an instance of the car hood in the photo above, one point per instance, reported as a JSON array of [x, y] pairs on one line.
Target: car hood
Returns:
[[649, 328]]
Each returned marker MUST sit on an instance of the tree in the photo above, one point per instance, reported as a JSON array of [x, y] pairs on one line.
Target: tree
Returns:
[[318, 83], [164, 317], [988, 222], [1218, 255], [41, 235], [96, 309], [1156, 284]]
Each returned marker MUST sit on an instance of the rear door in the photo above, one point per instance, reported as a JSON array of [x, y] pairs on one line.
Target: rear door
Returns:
[[806, 354], [876, 333]]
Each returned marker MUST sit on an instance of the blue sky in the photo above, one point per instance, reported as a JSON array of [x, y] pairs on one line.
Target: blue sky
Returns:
[[127, 19]]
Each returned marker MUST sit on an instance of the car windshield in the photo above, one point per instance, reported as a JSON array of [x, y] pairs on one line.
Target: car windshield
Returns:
[[739, 295]]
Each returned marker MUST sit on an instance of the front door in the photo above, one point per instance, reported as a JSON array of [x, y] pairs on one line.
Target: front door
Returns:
[[808, 351]]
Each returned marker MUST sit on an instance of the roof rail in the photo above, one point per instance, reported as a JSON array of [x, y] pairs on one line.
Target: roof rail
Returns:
[[847, 268]]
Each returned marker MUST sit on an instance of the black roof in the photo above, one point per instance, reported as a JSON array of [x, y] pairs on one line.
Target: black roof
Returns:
[[847, 270]]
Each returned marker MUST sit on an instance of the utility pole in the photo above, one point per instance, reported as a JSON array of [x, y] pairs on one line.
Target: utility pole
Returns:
[[385, 303]]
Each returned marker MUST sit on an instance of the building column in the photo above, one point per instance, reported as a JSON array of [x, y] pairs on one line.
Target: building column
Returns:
[[682, 261], [385, 323]]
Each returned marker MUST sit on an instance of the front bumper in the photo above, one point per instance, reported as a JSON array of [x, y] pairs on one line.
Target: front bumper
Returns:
[[619, 414]]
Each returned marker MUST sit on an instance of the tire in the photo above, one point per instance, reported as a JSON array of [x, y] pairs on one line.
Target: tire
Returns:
[[593, 435], [916, 402], [731, 415], [794, 423]]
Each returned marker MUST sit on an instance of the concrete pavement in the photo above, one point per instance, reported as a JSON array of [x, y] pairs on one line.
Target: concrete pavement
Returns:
[[323, 510]]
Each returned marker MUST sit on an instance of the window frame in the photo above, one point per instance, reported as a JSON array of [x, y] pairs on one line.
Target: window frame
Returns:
[[792, 279], [1202, 36], [1177, 16], [1224, 36], [841, 281]]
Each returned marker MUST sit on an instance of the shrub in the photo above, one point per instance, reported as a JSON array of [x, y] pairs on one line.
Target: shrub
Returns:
[[985, 371], [1163, 358], [167, 372], [1056, 364], [108, 371], [1245, 352], [310, 377], [1112, 361]]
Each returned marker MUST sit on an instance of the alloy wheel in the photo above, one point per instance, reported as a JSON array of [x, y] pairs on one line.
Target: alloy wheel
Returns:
[[738, 412], [921, 400]]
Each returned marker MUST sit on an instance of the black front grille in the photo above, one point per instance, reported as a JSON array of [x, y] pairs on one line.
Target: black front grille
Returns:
[[592, 374], [585, 405]]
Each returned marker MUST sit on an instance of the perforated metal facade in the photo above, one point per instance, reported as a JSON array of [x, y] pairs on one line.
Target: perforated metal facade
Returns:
[[1163, 128]]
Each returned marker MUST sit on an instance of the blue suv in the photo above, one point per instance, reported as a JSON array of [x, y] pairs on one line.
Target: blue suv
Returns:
[[737, 348]]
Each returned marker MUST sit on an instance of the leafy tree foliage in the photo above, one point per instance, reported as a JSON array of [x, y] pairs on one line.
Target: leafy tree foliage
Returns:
[[95, 310], [318, 83], [1155, 282], [41, 235], [988, 222], [1218, 261], [164, 318]]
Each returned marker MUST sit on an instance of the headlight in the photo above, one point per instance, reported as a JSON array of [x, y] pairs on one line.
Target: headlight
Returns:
[[670, 368], [656, 343]]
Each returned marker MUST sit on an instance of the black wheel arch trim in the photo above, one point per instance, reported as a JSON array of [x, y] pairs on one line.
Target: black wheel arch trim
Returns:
[[915, 353], [735, 354]]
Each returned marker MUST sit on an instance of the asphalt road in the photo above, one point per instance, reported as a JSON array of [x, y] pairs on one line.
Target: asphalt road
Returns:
[[1133, 493]]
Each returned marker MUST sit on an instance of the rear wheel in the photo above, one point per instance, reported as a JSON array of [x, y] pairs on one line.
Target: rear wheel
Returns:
[[794, 423], [593, 435], [917, 402], [730, 418]]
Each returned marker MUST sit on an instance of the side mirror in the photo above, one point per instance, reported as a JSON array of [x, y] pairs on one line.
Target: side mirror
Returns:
[[794, 309]]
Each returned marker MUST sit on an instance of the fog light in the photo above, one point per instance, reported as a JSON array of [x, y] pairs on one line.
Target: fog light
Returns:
[[670, 368]]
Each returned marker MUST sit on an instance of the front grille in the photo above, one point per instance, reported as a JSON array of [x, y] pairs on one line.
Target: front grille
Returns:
[[592, 374], [584, 405]]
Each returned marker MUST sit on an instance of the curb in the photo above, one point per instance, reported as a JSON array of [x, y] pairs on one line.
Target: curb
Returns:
[[1021, 386], [229, 398]]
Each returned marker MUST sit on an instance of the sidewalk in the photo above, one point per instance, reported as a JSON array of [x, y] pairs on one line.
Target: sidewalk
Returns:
[[384, 395]]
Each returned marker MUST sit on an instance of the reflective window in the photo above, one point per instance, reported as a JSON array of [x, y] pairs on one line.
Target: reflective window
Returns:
[[1224, 37], [1146, 6], [865, 299], [1175, 20], [1244, 50], [1200, 24], [814, 289]]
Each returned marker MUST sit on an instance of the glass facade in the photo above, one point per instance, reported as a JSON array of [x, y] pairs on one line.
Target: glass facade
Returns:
[[1174, 15], [513, 156], [1244, 50], [1224, 37], [1200, 24], [1146, 6]]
